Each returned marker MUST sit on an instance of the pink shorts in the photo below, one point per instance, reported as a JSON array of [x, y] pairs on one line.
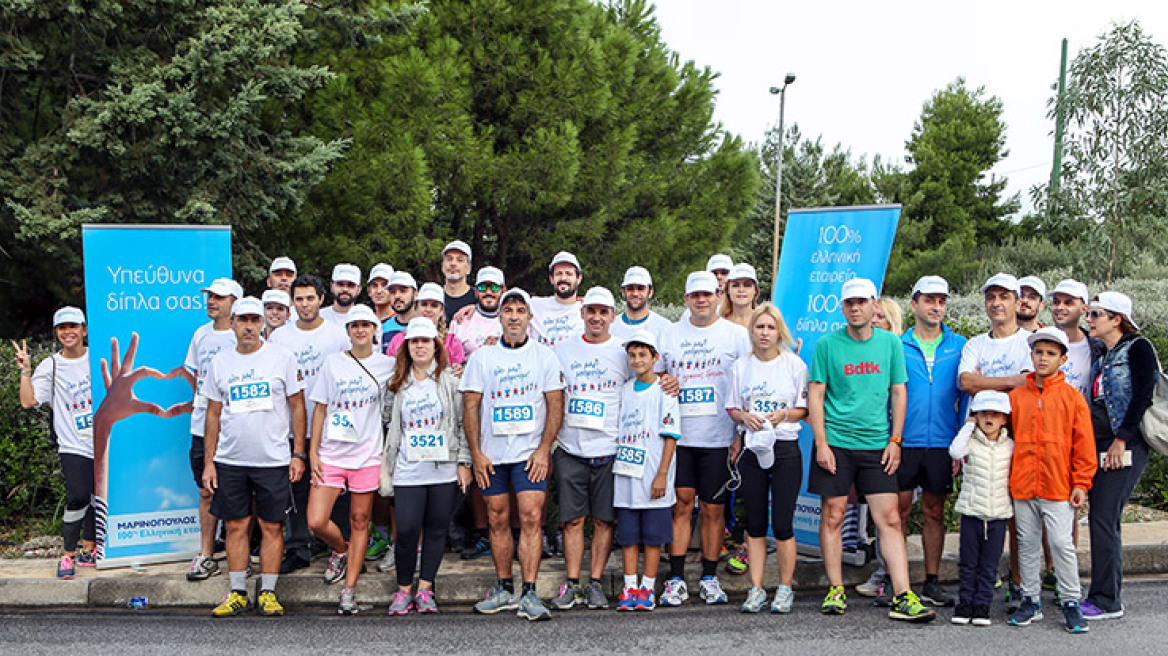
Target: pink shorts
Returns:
[[366, 479]]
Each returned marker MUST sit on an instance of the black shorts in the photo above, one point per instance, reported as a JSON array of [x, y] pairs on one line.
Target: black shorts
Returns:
[[585, 486], [269, 486], [703, 470], [198, 459], [930, 469], [860, 467]]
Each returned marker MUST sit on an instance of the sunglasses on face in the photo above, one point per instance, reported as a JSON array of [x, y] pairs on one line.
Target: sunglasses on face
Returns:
[[1099, 314], [489, 287]]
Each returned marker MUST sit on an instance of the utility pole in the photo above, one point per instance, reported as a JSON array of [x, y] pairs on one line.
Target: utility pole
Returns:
[[1056, 169], [781, 92]]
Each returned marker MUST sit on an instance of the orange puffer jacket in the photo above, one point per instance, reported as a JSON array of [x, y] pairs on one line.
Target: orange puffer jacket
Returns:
[[1054, 444]]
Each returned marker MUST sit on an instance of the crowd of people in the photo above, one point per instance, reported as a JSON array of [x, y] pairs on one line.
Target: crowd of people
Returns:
[[332, 423]]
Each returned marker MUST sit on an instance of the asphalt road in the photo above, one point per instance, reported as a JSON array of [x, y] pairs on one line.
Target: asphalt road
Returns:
[[693, 629]]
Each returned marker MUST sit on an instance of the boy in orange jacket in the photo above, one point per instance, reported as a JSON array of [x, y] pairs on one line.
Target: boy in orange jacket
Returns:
[[1054, 463]]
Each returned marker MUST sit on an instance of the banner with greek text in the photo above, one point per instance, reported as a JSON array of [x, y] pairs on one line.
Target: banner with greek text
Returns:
[[143, 299], [823, 248]]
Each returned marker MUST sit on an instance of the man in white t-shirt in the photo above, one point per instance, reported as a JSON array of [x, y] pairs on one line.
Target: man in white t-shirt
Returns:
[[281, 273], [478, 326], [513, 403], [997, 360], [1031, 302], [637, 288], [311, 340], [1068, 305], [209, 339], [346, 287], [254, 400], [557, 317], [595, 369], [700, 351]]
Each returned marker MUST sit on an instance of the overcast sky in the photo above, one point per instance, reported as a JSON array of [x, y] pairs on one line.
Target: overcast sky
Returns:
[[864, 69]]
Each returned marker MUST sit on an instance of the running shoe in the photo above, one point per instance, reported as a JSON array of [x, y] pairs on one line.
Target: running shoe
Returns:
[[424, 602], [836, 601], [646, 600], [675, 592], [981, 615], [268, 605], [477, 549], [293, 562], [1092, 612], [710, 590], [569, 595], [86, 558], [387, 563], [871, 587], [756, 600], [907, 606], [935, 595], [884, 594], [532, 608], [378, 545], [233, 604], [65, 568], [595, 596], [1073, 616], [628, 600], [338, 564], [1049, 580], [548, 550], [348, 605], [496, 600], [203, 568], [403, 602], [254, 556], [728, 545], [738, 562], [784, 600], [1029, 611], [962, 614]]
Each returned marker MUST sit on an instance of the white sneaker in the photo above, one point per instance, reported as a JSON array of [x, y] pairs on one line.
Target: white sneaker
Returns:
[[387, 563], [711, 591], [784, 599], [675, 593], [871, 587]]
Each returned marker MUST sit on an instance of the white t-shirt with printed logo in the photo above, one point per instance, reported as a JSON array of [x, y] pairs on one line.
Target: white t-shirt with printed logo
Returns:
[[1077, 368], [353, 436], [255, 420], [72, 401], [763, 387], [553, 322], [701, 359], [422, 415], [996, 358], [513, 382], [648, 417], [310, 348], [656, 324], [476, 330], [205, 345], [593, 376]]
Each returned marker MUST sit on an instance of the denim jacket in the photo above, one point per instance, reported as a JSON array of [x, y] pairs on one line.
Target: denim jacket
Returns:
[[1119, 390]]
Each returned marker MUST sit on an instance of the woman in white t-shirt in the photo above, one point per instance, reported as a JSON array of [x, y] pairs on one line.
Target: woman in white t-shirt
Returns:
[[768, 397], [62, 379], [741, 294], [426, 462], [345, 453]]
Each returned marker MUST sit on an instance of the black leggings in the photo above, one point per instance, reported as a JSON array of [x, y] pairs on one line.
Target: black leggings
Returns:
[[78, 518], [422, 510], [779, 485]]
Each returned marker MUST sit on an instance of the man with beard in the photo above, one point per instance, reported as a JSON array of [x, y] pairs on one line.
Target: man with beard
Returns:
[[346, 287], [455, 272], [637, 288], [1031, 301], [557, 317], [1068, 307], [403, 291], [378, 287], [480, 325], [281, 274]]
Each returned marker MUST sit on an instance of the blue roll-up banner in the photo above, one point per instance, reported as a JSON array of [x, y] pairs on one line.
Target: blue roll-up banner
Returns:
[[823, 248], [143, 301]]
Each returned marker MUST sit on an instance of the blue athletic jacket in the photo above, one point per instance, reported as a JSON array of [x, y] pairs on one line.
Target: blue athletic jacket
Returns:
[[936, 404]]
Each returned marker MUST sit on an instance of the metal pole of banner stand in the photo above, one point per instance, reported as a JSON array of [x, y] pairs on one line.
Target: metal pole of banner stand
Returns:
[[781, 92]]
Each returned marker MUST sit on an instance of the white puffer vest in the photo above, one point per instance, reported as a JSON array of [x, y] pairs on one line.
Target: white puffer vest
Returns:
[[985, 483]]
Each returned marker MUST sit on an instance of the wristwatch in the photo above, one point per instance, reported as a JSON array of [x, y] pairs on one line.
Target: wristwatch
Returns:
[[302, 456], [896, 439]]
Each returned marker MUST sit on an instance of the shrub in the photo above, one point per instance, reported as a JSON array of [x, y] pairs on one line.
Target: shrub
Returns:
[[30, 478]]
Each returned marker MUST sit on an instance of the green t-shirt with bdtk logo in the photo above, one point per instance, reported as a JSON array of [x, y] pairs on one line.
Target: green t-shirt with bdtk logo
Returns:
[[858, 375]]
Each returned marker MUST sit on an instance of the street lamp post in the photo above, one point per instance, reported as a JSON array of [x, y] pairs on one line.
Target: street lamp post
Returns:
[[781, 92]]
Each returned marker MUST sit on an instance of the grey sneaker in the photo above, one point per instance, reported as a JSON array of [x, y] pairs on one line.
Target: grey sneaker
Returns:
[[935, 595], [497, 599], [755, 601], [403, 602], [595, 595], [348, 605], [338, 564], [784, 599], [388, 562], [424, 602], [531, 608], [569, 596], [202, 568]]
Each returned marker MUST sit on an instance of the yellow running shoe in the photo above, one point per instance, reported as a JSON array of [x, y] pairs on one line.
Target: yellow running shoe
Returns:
[[268, 606], [233, 604]]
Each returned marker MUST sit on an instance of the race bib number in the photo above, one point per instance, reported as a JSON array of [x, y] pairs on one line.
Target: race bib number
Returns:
[[765, 406], [254, 396], [426, 447], [84, 425], [341, 427], [630, 461], [697, 402], [585, 413], [200, 398], [512, 419]]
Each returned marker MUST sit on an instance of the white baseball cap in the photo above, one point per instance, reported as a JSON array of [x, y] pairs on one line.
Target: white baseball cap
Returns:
[[743, 271], [642, 336], [991, 400], [1049, 334], [1116, 302], [224, 287], [1035, 283], [282, 263], [247, 305], [599, 296], [636, 275], [402, 279], [458, 245], [719, 261], [432, 291], [701, 281], [1003, 280], [361, 312], [931, 285], [276, 296], [517, 292], [1072, 288], [68, 314], [489, 274], [564, 257], [859, 288], [347, 273], [421, 327], [380, 270]]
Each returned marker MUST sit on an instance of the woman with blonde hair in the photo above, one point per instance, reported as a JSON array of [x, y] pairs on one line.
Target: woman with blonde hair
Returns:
[[740, 296], [889, 316]]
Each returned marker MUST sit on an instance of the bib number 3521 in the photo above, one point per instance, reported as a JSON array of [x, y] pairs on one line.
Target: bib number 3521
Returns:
[[512, 419], [697, 402], [426, 447], [254, 396]]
